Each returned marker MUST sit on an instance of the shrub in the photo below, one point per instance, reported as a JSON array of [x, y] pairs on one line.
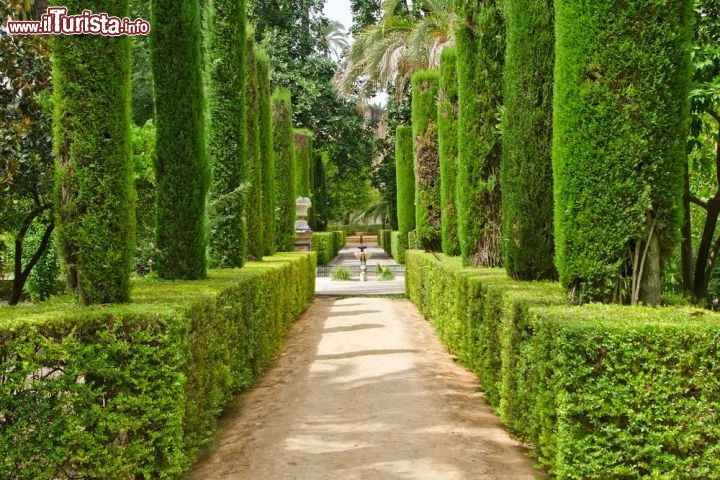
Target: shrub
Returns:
[[480, 51], [303, 156], [405, 178], [129, 391], [254, 224], [231, 153], [447, 144], [43, 280], [143, 153], [326, 245], [385, 273], [267, 162], [398, 252], [284, 170], [427, 160], [320, 193], [182, 171], [617, 192], [599, 391], [526, 168], [93, 180], [340, 273]]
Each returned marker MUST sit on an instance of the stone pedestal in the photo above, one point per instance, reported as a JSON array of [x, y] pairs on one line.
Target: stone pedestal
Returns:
[[303, 234]]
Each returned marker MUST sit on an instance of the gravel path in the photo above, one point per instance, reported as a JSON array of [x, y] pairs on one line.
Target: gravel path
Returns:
[[363, 390]]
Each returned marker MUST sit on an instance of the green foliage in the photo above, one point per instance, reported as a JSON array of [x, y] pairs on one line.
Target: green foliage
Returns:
[[340, 273], [303, 145], [143, 153], [284, 159], [598, 391], [526, 167], [255, 224], [142, 80], [397, 246], [480, 40], [320, 192], [94, 193], [613, 189], [43, 280], [448, 147], [134, 391], [267, 159], [425, 86], [385, 240], [327, 245], [182, 171], [405, 184], [384, 273], [231, 153]]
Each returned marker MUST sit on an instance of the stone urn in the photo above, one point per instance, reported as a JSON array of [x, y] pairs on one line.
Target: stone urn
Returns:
[[303, 234]]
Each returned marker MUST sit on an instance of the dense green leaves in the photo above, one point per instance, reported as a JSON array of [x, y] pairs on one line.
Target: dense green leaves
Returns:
[[284, 158], [255, 222], [267, 159], [182, 171], [405, 176], [93, 184], [303, 145], [447, 142], [526, 167]]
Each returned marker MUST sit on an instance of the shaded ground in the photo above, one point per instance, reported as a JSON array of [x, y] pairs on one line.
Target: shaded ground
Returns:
[[363, 390]]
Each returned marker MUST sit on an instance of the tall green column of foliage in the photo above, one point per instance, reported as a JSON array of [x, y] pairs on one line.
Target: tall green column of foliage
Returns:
[[620, 126], [227, 61], [405, 175], [182, 171], [425, 85], [526, 168], [265, 140], [254, 222], [303, 144], [480, 56], [93, 183], [447, 141], [320, 195], [283, 152]]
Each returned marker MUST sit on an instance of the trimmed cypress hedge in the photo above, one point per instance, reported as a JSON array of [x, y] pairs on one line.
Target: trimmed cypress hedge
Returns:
[[320, 193], [94, 172], [327, 245], [599, 391], [526, 168], [480, 46], [425, 86], [405, 177], [182, 171], [267, 159], [284, 158], [254, 222], [447, 142], [134, 391], [303, 144], [227, 60], [398, 253], [620, 126]]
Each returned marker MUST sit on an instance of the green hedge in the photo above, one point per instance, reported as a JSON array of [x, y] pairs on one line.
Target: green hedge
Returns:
[[598, 391], [447, 142], [397, 249], [226, 58], [480, 42], [320, 192], [134, 391], [303, 144], [385, 240], [619, 135], [425, 86], [255, 223], [182, 171], [327, 245], [94, 191], [526, 169], [405, 179], [267, 161], [284, 158]]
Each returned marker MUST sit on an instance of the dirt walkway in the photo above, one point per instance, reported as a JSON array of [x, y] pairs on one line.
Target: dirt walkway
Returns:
[[363, 390]]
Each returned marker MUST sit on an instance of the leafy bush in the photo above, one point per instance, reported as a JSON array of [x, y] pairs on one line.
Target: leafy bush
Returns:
[[398, 248], [340, 273], [130, 391], [255, 223], [385, 273], [43, 280], [267, 161], [599, 391], [143, 151], [447, 143], [303, 144], [284, 156]]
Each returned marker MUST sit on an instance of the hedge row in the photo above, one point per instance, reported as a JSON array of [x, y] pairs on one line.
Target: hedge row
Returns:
[[254, 213], [134, 391], [327, 245], [397, 248], [385, 240], [320, 192], [599, 391], [265, 138], [447, 142], [303, 145], [182, 170], [284, 158], [93, 181]]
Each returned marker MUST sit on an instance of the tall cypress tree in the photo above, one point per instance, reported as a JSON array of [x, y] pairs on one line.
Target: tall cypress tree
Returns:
[[265, 140], [182, 171], [320, 195], [283, 149], [255, 223], [405, 175], [447, 141], [303, 144], [480, 53], [526, 170], [619, 135], [425, 86], [94, 189], [226, 58]]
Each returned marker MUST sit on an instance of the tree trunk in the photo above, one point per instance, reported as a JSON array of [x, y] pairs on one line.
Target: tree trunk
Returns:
[[650, 282], [686, 252], [22, 274]]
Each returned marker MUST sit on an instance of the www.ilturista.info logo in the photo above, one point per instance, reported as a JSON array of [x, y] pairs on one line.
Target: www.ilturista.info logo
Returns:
[[57, 22]]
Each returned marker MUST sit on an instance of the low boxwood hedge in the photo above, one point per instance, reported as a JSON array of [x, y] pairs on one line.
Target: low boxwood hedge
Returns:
[[599, 391], [134, 390], [397, 248], [327, 245]]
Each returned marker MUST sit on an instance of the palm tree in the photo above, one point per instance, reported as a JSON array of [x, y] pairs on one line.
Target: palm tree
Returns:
[[405, 40], [335, 40]]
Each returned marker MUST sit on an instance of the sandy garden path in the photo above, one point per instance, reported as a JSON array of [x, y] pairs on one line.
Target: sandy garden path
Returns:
[[363, 390]]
